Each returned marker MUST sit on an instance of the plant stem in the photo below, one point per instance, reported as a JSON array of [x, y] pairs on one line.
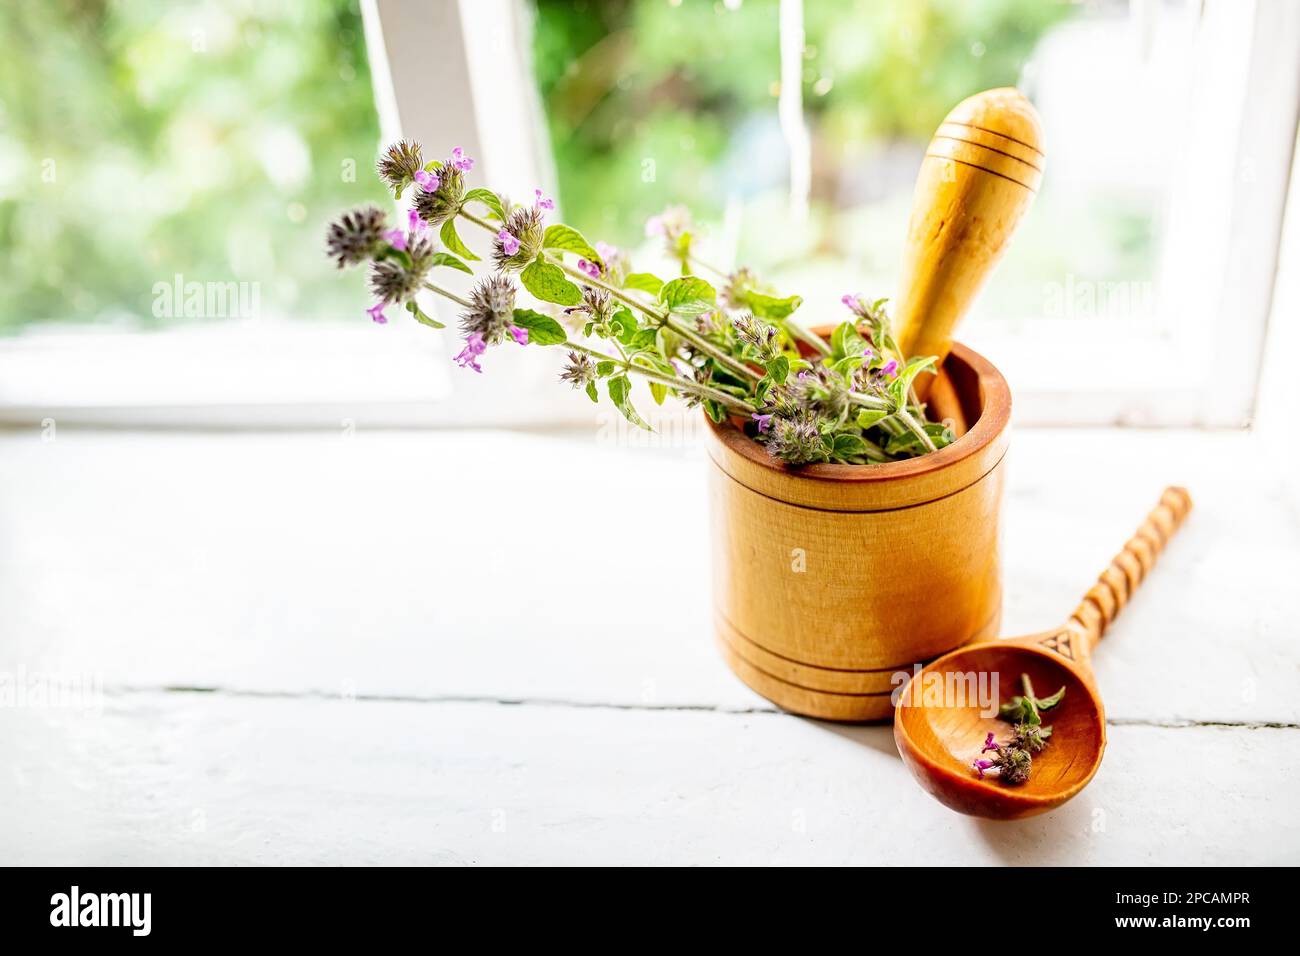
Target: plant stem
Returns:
[[794, 328], [661, 317], [664, 319], [447, 294], [681, 384], [866, 401], [915, 428]]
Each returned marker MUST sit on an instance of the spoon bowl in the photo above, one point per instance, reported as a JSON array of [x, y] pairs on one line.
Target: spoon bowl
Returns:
[[940, 743], [949, 707]]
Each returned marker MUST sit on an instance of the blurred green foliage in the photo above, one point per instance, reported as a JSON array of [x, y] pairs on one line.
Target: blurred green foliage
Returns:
[[139, 140], [644, 98]]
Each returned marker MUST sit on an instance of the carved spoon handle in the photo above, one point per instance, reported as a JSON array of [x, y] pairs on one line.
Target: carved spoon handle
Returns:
[[1121, 578]]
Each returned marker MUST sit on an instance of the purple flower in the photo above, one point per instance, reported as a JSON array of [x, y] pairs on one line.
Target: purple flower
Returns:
[[889, 369], [376, 312], [764, 422], [868, 354], [520, 334], [989, 744], [590, 268], [982, 765], [461, 161], [474, 347], [427, 181], [396, 238], [415, 223], [541, 202], [854, 304], [606, 251], [509, 244]]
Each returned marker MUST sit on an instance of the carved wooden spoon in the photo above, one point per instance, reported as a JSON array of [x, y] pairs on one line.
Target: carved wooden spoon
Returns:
[[940, 725]]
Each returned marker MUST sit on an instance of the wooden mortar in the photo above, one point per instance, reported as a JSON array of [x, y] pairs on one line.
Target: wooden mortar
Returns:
[[829, 580]]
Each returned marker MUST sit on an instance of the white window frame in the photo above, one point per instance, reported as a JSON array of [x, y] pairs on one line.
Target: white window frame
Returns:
[[457, 73]]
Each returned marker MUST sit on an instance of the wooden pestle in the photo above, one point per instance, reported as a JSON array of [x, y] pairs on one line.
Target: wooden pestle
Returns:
[[978, 178]]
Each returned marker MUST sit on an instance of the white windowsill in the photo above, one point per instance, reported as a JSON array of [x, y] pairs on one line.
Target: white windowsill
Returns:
[[414, 637]]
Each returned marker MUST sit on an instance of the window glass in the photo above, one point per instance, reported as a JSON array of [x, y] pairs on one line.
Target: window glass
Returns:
[[145, 147], [651, 102]]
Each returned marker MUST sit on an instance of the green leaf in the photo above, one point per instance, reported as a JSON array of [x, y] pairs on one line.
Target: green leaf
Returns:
[[423, 319], [846, 341], [488, 198], [547, 282], [848, 446], [868, 417], [689, 295], [771, 307], [452, 241], [568, 239], [644, 282], [659, 391], [778, 369], [643, 339], [1020, 710], [911, 370], [592, 393], [605, 368], [1047, 703], [620, 386], [542, 329], [715, 410], [623, 323], [447, 259]]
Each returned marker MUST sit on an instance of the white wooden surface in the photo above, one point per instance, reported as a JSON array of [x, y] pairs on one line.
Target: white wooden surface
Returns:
[[406, 647]]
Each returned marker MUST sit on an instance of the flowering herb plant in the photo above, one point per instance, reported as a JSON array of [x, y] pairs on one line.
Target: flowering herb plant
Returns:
[[1013, 759], [732, 349]]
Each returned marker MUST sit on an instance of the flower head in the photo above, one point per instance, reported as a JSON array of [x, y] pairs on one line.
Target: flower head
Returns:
[[589, 268], [1031, 737], [676, 227], [671, 223], [414, 223], [519, 334], [427, 181], [597, 305], [376, 313], [460, 161], [989, 744], [1013, 764], [764, 422], [889, 369], [443, 201], [541, 202], [520, 241], [396, 238], [822, 389], [491, 311], [401, 163], [580, 370], [758, 335], [796, 440], [739, 284], [468, 356], [981, 765], [356, 236], [392, 280], [617, 264]]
